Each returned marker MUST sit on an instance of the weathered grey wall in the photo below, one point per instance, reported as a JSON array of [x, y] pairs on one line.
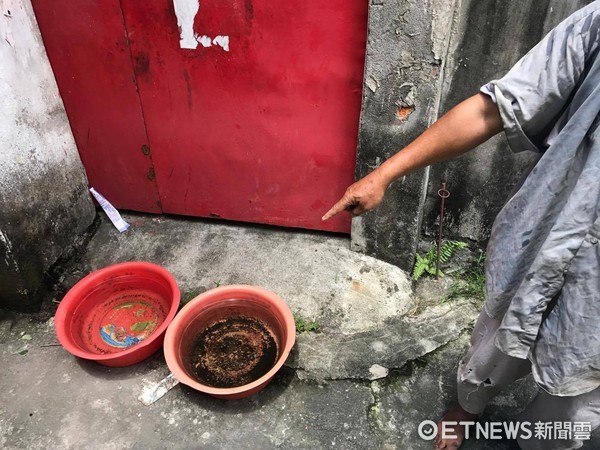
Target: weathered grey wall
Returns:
[[429, 56], [44, 204], [489, 38], [400, 99]]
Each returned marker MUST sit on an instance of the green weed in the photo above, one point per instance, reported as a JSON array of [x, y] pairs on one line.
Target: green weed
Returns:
[[303, 325], [189, 295], [471, 283], [425, 265]]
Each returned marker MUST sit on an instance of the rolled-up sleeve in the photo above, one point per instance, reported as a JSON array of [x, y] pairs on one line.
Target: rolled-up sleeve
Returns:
[[534, 93]]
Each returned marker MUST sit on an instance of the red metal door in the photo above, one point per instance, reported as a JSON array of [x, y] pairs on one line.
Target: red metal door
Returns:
[[90, 57], [263, 129]]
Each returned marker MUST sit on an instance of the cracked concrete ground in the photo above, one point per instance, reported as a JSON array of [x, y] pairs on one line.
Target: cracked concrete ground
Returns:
[[366, 380]]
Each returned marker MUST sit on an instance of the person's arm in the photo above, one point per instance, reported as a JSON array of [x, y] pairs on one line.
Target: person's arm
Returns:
[[464, 127]]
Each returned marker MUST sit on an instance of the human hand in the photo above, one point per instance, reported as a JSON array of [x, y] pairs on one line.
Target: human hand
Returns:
[[364, 195]]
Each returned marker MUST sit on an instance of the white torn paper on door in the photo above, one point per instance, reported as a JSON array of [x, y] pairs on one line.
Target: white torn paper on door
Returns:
[[110, 211], [186, 11], [222, 41]]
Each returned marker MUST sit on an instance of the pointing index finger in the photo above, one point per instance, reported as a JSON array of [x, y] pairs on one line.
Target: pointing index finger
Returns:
[[337, 208]]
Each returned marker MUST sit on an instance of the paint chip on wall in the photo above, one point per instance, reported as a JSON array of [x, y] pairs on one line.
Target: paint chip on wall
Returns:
[[404, 112], [372, 84]]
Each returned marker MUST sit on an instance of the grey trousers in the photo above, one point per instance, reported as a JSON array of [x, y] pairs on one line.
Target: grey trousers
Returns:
[[485, 371]]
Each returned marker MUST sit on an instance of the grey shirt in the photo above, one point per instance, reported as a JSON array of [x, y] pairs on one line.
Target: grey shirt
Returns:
[[544, 242]]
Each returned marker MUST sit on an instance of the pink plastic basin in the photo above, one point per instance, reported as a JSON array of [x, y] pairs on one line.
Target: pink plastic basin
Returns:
[[217, 306]]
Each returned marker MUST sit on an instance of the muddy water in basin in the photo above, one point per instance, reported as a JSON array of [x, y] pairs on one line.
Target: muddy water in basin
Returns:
[[232, 352]]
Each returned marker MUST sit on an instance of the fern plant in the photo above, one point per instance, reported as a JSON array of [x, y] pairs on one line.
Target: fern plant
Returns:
[[426, 264]]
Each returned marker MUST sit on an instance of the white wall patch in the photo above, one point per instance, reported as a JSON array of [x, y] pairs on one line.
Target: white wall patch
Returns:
[[223, 41], [186, 11], [205, 41]]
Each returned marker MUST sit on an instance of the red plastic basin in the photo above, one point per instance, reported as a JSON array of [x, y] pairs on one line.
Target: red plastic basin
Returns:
[[118, 315]]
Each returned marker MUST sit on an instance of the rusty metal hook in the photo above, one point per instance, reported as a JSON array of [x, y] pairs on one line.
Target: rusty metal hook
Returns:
[[443, 193]]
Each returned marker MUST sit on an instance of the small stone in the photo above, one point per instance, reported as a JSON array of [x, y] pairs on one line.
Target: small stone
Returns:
[[26, 337], [378, 371]]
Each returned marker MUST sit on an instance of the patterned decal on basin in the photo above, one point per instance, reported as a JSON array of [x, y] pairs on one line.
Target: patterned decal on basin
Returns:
[[128, 324]]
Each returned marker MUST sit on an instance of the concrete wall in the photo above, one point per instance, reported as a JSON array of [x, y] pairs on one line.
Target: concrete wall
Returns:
[[400, 99], [490, 37], [44, 204], [429, 56]]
